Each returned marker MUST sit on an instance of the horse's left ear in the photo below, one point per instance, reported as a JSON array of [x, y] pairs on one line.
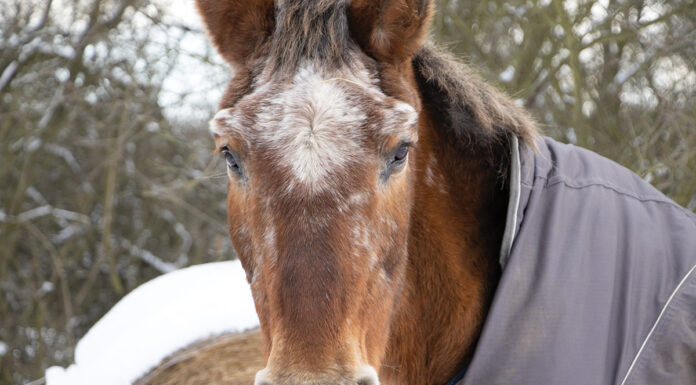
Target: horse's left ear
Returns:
[[390, 30]]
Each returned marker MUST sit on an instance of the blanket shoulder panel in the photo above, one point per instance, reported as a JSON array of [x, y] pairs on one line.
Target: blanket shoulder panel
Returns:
[[598, 255]]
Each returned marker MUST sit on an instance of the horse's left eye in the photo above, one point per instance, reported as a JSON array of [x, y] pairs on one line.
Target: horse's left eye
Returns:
[[395, 162], [401, 153]]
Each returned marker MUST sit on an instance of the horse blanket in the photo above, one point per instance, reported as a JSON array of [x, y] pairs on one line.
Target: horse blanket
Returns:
[[598, 283]]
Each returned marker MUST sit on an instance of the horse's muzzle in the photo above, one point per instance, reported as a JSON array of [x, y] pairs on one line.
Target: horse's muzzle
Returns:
[[365, 375]]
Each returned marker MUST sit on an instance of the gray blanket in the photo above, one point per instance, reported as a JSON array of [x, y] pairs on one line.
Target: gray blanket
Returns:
[[599, 281]]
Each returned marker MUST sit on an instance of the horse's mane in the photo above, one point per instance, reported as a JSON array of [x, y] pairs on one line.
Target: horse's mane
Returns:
[[475, 114], [310, 30]]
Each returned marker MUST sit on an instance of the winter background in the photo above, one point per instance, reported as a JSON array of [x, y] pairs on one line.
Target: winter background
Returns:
[[107, 180]]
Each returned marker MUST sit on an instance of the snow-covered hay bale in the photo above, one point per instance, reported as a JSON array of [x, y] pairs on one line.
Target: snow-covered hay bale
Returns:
[[231, 359], [158, 319]]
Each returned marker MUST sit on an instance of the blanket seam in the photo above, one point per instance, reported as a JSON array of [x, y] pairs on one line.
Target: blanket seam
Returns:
[[561, 180]]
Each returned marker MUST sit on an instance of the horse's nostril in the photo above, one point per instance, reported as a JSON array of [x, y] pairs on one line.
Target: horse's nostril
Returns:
[[367, 376], [368, 381]]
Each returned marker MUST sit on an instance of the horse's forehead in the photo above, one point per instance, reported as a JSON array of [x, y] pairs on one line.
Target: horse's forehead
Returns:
[[317, 122], [316, 90], [315, 126]]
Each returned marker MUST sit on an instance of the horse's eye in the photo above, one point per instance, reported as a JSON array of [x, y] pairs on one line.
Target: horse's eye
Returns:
[[395, 161], [400, 154], [231, 159]]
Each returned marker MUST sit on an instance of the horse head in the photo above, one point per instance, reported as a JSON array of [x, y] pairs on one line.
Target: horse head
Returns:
[[317, 128]]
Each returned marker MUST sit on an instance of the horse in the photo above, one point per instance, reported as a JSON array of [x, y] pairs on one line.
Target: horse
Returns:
[[368, 222], [369, 190]]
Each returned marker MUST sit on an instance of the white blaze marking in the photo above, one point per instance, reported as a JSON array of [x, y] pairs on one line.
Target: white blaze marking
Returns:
[[319, 130]]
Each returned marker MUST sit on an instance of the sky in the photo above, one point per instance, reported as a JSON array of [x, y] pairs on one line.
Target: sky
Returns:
[[201, 83]]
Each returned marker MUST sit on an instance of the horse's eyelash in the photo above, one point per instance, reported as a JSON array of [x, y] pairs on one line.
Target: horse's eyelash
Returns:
[[220, 149]]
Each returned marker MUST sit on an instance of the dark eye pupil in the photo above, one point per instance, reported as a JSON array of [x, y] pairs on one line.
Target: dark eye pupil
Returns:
[[401, 153]]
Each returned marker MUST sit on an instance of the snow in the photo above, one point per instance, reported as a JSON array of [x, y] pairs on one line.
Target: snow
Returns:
[[507, 75], [158, 318]]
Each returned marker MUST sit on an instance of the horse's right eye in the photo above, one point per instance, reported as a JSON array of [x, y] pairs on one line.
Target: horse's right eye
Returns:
[[232, 160]]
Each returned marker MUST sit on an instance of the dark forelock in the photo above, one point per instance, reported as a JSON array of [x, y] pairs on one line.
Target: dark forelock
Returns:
[[309, 30]]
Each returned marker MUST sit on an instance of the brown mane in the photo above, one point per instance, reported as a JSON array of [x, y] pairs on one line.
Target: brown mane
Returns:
[[474, 114]]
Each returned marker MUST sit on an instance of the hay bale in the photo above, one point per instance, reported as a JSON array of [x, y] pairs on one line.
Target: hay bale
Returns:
[[230, 359]]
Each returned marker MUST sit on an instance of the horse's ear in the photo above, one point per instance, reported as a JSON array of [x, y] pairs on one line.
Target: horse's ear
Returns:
[[390, 30], [238, 27]]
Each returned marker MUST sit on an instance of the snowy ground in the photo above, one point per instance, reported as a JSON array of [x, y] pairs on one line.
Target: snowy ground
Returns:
[[158, 318]]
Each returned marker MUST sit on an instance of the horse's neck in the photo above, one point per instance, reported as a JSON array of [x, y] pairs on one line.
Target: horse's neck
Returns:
[[456, 229]]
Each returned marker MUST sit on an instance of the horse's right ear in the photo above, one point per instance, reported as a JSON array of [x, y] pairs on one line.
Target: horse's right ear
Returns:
[[238, 27]]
